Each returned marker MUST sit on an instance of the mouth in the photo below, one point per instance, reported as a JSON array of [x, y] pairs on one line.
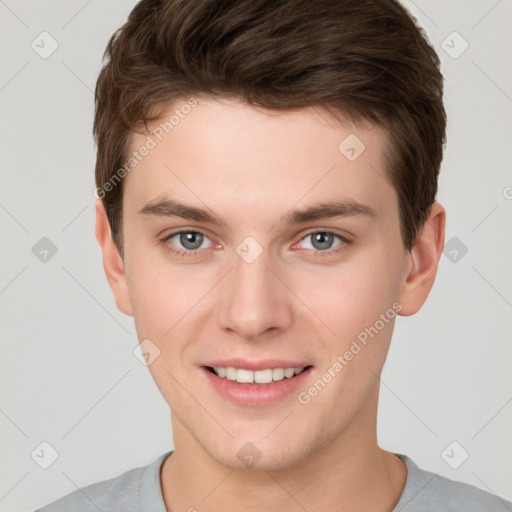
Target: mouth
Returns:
[[260, 387], [264, 376]]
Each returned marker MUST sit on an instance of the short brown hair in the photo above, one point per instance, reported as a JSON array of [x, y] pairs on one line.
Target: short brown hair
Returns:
[[365, 59]]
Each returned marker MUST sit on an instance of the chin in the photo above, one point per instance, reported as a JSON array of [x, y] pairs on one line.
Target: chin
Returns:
[[262, 454]]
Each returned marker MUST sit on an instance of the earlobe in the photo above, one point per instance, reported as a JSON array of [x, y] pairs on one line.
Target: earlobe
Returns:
[[424, 259], [112, 262]]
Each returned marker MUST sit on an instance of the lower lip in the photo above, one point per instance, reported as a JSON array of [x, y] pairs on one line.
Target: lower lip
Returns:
[[256, 394]]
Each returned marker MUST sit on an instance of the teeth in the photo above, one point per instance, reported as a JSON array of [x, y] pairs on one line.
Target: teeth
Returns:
[[230, 373], [258, 377], [278, 374], [289, 372], [263, 376], [245, 376]]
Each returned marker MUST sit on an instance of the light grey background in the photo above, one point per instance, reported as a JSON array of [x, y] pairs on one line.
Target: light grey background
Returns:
[[68, 376]]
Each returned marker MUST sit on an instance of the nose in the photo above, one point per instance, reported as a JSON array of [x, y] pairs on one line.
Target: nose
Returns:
[[255, 303]]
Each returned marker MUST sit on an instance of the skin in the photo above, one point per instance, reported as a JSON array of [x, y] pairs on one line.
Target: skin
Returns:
[[251, 167]]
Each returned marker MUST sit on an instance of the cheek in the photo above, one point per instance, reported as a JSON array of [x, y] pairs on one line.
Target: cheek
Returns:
[[151, 301], [161, 293], [355, 357], [151, 304], [358, 304], [349, 298]]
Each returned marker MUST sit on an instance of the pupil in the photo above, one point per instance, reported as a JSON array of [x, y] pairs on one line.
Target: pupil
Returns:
[[324, 240], [191, 240]]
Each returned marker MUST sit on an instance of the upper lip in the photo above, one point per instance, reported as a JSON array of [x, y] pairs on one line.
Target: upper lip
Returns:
[[256, 365]]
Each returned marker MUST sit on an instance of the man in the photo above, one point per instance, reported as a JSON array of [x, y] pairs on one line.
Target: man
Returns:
[[266, 206]]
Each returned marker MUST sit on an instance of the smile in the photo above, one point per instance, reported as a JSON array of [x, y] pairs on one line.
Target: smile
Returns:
[[266, 376]]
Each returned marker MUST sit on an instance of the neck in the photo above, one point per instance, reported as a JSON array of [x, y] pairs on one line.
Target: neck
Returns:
[[349, 473]]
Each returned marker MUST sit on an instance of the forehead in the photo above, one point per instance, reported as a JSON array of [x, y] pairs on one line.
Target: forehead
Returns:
[[223, 150]]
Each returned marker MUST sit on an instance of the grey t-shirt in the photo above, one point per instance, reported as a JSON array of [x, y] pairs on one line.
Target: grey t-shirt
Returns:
[[138, 490]]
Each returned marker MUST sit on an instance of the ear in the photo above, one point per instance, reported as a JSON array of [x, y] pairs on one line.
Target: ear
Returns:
[[424, 259], [112, 262]]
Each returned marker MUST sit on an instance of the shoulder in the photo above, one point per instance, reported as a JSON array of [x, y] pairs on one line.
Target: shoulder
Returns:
[[126, 492], [426, 491], [104, 495]]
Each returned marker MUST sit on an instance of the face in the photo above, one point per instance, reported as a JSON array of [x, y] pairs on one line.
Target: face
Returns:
[[260, 279]]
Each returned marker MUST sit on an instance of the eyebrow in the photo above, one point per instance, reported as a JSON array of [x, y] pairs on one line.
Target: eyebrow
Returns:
[[336, 208]]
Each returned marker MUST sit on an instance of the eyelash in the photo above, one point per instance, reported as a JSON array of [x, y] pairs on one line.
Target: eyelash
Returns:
[[195, 252]]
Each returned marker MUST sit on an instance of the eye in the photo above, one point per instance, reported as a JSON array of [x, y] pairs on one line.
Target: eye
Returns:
[[323, 240], [190, 240]]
